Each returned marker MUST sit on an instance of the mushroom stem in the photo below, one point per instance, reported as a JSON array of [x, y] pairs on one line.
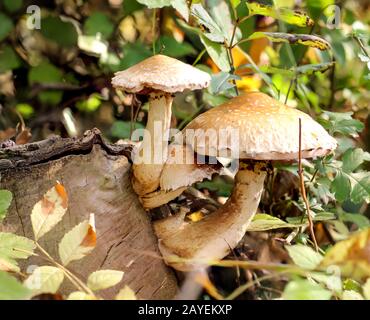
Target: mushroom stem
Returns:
[[154, 148], [212, 237]]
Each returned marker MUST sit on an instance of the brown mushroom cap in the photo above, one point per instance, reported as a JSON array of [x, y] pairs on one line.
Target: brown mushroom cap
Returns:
[[160, 73], [182, 169], [268, 130]]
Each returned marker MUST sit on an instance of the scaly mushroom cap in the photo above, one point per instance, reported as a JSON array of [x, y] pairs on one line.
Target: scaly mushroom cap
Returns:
[[268, 130], [160, 73], [182, 169]]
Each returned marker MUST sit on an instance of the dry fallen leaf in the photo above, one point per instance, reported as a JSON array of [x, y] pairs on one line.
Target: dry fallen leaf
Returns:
[[352, 256], [49, 211]]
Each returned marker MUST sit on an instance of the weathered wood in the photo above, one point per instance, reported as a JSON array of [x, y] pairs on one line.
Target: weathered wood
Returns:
[[97, 179]]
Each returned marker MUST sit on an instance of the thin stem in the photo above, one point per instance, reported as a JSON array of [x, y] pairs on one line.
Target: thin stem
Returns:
[[77, 282], [290, 87], [238, 291], [303, 189], [154, 28], [200, 55], [358, 40]]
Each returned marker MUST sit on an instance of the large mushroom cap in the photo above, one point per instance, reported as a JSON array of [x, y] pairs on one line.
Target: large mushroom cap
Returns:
[[160, 73], [268, 130]]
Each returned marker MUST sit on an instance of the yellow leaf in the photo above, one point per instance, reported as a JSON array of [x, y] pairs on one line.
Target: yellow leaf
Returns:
[[366, 289], [249, 83], [352, 256], [79, 295], [195, 216], [45, 279], [103, 279], [78, 242], [202, 278], [49, 211], [126, 293]]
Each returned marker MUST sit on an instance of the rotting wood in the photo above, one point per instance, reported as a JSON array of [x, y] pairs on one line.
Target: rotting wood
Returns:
[[97, 178]]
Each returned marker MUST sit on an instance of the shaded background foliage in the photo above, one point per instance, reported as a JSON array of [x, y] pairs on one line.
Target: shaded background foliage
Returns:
[[56, 80]]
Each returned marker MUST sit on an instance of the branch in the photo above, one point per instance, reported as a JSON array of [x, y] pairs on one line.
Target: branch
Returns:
[[303, 189]]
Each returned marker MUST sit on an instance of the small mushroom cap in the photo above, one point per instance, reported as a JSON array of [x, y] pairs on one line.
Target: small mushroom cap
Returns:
[[160, 73], [182, 169], [268, 130]]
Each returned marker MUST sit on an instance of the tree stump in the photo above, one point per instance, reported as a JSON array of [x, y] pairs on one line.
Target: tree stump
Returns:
[[96, 176]]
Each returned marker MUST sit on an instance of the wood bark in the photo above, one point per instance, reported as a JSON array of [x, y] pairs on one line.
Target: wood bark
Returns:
[[96, 176]]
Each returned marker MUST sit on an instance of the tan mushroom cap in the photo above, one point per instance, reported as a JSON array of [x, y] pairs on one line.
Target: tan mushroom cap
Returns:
[[160, 73], [268, 130], [182, 169]]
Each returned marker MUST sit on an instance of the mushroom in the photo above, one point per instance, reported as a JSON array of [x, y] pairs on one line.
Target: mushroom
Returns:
[[159, 77], [180, 171], [268, 130]]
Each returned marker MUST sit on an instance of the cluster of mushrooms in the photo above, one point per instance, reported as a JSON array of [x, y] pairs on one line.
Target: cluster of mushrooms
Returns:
[[268, 130]]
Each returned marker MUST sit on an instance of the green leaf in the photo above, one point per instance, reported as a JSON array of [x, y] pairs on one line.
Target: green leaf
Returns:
[[211, 29], [217, 52], [303, 39], [6, 26], [47, 73], [220, 12], [45, 279], [305, 290], [13, 247], [91, 104], [131, 6], [62, 32], [361, 187], [99, 23], [235, 3], [121, 129], [263, 222], [13, 5], [309, 69], [360, 220], [353, 158], [49, 211], [287, 15], [169, 46], [11, 289], [218, 185], [6, 198], [133, 53], [222, 81], [151, 4], [104, 279], [9, 60], [341, 186], [341, 122], [77, 243], [182, 7], [304, 256], [25, 109]]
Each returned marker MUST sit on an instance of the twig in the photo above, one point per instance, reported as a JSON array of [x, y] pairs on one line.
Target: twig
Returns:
[[76, 281], [154, 27], [238, 291], [303, 189], [290, 87]]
